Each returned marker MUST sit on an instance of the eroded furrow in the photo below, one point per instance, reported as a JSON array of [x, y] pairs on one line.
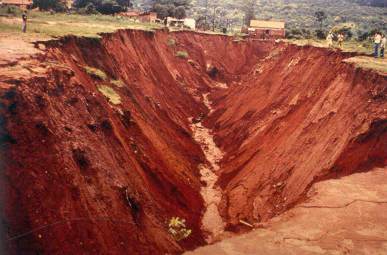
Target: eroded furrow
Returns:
[[212, 223]]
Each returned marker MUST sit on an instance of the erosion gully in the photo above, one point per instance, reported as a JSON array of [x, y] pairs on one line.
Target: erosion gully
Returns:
[[105, 140]]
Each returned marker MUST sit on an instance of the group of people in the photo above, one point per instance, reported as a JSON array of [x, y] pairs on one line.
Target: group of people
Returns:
[[340, 39], [379, 43]]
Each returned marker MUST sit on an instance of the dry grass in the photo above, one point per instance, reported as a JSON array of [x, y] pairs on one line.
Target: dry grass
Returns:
[[95, 72], [61, 24], [182, 54], [118, 83], [110, 93], [378, 64]]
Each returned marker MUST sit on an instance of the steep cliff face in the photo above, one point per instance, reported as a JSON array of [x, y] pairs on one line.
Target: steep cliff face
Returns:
[[301, 115], [98, 149], [98, 137]]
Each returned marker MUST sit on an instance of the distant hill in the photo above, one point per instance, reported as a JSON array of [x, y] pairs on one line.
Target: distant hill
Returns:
[[376, 3], [361, 15]]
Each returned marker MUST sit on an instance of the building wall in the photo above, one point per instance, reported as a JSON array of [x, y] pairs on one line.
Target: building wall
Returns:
[[263, 33]]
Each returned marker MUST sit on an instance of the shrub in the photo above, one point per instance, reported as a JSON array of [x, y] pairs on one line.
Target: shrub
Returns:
[[109, 7], [320, 34], [118, 83], [177, 229], [171, 42], [95, 73], [110, 93], [90, 9], [182, 54], [46, 5]]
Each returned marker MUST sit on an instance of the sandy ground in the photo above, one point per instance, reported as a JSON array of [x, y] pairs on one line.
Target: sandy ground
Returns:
[[15, 46], [342, 216]]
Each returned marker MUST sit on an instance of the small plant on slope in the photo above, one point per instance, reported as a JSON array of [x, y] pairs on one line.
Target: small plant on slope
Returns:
[[110, 93], [171, 42], [118, 83], [182, 54], [95, 72], [178, 229]]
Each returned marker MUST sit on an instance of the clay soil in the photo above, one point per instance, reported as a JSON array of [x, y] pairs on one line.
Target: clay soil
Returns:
[[98, 162]]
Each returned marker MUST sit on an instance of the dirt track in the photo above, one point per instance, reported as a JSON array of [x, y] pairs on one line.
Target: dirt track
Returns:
[[89, 176]]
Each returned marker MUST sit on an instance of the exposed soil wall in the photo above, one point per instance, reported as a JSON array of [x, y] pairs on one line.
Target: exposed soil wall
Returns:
[[300, 116], [83, 175], [99, 149]]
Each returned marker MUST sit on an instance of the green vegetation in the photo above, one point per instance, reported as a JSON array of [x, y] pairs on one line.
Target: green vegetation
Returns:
[[95, 73], [303, 17], [171, 42], [170, 8], [102, 6], [110, 93], [380, 65], [182, 54], [178, 229], [118, 83], [47, 5], [45, 24]]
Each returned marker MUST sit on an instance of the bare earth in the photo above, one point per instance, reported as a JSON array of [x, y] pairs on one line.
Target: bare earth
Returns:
[[212, 222], [343, 216]]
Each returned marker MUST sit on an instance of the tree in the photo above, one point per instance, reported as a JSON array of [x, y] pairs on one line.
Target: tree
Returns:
[[320, 17], [180, 12], [49, 5], [103, 6], [249, 11], [171, 8]]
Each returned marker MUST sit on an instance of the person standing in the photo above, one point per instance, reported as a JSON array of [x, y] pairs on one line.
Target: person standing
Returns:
[[382, 46], [340, 39], [377, 41], [24, 19], [330, 40]]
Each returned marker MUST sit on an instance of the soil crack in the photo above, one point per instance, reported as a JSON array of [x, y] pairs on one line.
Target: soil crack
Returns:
[[342, 206]]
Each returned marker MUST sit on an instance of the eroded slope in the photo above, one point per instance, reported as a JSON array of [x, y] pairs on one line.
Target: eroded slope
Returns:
[[301, 115], [97, 143]]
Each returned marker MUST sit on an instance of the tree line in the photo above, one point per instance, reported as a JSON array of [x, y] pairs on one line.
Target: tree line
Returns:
[[163, 8]]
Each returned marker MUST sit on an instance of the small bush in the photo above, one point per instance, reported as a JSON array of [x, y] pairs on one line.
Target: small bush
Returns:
[[320, 34], [118, 83], [178, 229], [110, 93], [95, 72], [171, 42], [182, 54]]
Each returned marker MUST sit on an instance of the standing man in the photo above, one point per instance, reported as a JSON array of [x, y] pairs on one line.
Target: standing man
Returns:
[[24, 24], [340, 39], [377, 41], [382, 46], [330, 40]]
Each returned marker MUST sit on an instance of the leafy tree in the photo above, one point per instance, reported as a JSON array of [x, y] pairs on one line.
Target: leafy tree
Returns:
[[180, 12], [320, 17], [249, 11], [49, 5], [103, 6], [171, 8]]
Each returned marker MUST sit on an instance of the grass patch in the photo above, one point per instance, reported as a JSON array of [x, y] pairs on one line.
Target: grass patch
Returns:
[[61, 24], [182, 54], [377, 64], [171, 42], [119, 83], [110, 93], [95, 72]]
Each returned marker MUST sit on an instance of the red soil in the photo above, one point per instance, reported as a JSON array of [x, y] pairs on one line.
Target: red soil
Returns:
[[83, 176], [300, 116]]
